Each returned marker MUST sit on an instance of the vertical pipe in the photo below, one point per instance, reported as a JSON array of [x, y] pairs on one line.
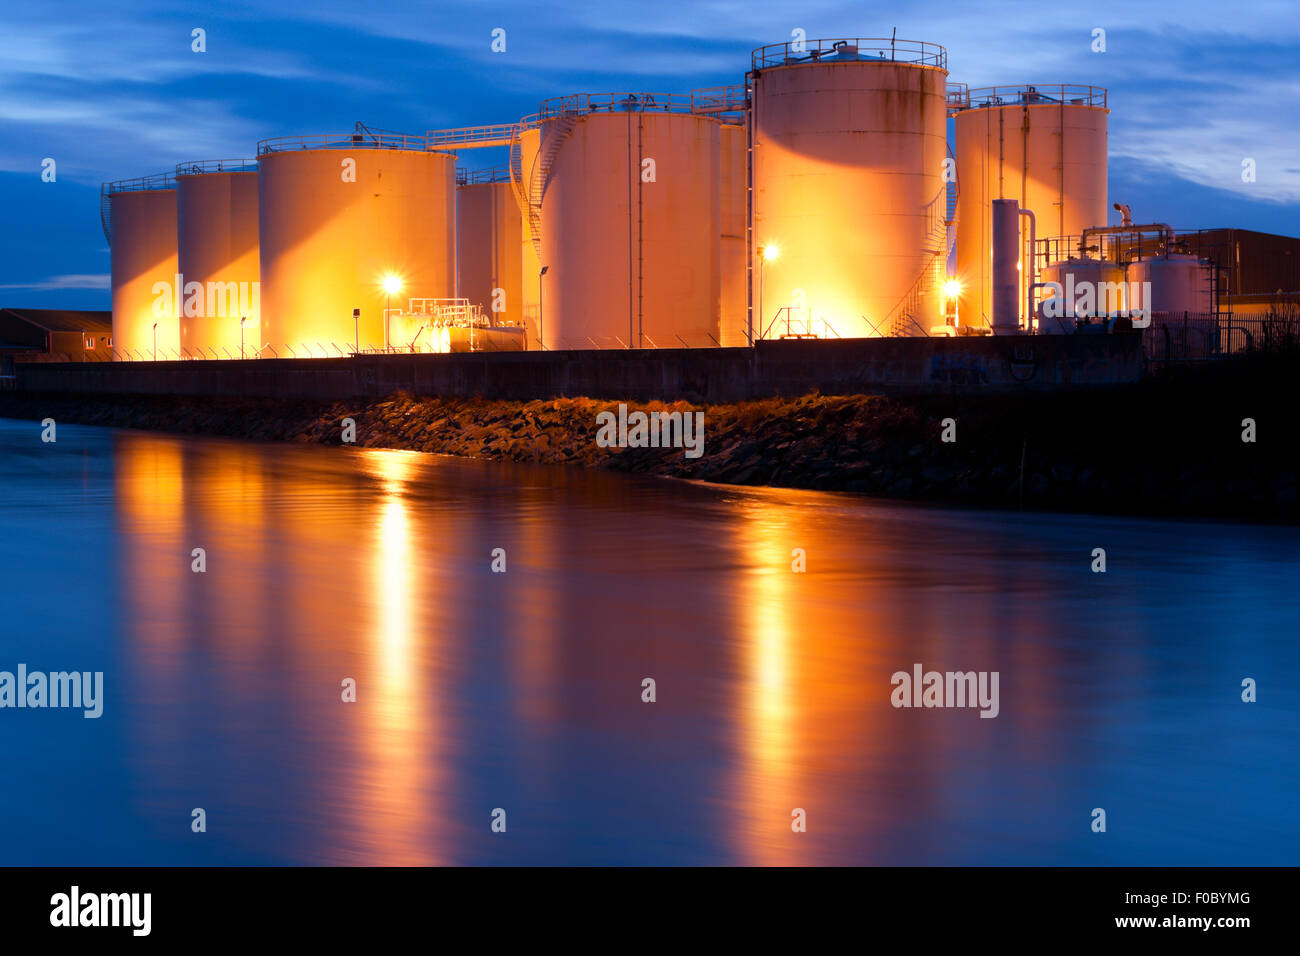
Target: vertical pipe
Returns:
[[631, 328], [1006, 252], [640, 228], [1030, 270]]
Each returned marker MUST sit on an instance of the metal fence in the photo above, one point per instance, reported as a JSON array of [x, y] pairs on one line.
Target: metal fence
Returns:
[[1202, 337]]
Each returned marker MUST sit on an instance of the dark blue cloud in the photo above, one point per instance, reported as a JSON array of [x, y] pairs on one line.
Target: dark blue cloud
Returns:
[[115, 92]]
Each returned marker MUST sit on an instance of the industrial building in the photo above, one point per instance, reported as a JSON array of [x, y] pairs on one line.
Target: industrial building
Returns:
[[817, 197], [54, 335]]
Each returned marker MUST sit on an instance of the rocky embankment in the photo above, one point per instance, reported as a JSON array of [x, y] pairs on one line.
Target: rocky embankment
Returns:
[[1170, 446]]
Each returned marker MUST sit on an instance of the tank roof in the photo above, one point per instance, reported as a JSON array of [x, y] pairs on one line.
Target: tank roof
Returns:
[[851, 50], [479, 177], [139, 184]]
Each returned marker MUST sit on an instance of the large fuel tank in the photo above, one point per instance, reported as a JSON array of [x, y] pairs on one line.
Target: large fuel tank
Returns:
[[489, 232], [217, 256], [1044, 146], [350, 222], [141, 227], [849, 141], [630, 222]]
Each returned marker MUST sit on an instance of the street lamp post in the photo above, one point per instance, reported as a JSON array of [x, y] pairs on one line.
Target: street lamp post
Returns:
[[392, 283], [765, 253], [541, 338], [356, 330], [952, 290], [155, 341], [242, 320]]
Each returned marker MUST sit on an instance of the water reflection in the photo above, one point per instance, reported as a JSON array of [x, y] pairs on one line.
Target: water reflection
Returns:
[[522, 689]]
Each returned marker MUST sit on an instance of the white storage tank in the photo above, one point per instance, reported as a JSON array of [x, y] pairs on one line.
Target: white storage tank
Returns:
[[1044, 146], [849, 141], [350, 221], [1179, 283], [217, 254], [489, 232], [139, 218], [630, 216]]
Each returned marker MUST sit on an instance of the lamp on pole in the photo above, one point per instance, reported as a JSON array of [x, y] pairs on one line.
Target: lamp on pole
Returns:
[[541, 339], [242, 320], [392, 283], [952, 289], [155, 341], [765, 253], [356, 330]]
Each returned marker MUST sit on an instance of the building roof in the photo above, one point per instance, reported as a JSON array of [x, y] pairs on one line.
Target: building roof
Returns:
[[65, 320]]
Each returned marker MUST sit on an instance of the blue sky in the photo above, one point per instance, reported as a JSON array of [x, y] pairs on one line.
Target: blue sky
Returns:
[[113, 90]]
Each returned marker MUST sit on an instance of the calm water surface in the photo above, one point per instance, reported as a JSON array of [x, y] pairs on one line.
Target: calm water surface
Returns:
[[523, 690]]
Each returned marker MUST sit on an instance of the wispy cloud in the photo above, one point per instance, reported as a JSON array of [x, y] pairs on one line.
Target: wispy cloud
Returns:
[[62, 282]]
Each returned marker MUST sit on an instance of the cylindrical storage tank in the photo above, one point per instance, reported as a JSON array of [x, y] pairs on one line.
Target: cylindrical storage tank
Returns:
[[1179, 283], [141, 226], [217, 258], [1044, 146], [488, 237], [347, 223], [734, 181], [848, 147], [1006, 265], [630, 222]]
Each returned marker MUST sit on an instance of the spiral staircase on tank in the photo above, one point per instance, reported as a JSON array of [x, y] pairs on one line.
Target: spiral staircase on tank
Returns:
[[529, 194], [908, 316]]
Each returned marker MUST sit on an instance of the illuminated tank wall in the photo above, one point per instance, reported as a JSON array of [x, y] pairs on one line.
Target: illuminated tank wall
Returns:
[[848, 181], [1044, 146], [217, 247], [143, 272], [734, 303], [328, 242]]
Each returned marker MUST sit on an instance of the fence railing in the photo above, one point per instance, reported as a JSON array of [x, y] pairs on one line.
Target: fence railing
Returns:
[[351, 140], [887, 49], [1039, 94], [478, 177], [216, 166], [616, 103]]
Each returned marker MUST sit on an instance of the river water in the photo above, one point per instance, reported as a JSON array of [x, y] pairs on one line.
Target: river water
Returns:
[[521, 691]]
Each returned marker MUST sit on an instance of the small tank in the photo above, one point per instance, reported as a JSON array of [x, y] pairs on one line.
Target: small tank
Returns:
[[1179, 283]]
